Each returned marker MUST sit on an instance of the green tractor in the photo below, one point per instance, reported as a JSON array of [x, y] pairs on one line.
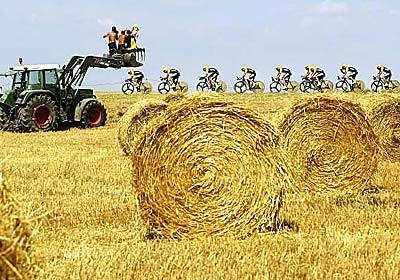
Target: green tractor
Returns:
[[46, 97]]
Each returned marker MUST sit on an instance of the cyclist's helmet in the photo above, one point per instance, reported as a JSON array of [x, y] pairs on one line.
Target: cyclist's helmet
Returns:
[[279, 67], [130, 72], [206, 68], [308, 67], [381, 67], [166, 70], [245, 69], [345, 66], [135, 27]]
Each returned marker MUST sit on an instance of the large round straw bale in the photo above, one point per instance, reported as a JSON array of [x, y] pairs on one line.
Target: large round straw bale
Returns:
[[175, 97], [330, 144], [385, 120], [134, 120], [209, 167]]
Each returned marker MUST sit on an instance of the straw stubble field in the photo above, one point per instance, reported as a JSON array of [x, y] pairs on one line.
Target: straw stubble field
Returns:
[[92, 231]]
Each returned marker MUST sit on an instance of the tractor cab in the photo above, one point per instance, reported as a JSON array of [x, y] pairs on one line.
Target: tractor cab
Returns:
[[36, 77]]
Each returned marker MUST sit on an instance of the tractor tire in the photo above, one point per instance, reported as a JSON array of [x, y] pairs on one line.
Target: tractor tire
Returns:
[[94, 114], [40, 113], [3, 118]]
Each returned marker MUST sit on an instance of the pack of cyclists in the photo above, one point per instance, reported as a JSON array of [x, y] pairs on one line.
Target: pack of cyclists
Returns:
[[314, 74]]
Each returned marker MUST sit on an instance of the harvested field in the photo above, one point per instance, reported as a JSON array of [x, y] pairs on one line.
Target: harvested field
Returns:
[[94, 230]]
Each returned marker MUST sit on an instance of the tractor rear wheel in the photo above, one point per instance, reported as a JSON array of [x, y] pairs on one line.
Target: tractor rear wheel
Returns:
[[40, 113], [3, 118], [94, 114]]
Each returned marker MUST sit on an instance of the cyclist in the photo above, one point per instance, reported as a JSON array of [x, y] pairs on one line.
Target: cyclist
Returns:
[[308, 71], [136, 77], [283, 74], [349, 72], [317, 75], [173, 76], [211, 75], [384, 73], [249, 76]]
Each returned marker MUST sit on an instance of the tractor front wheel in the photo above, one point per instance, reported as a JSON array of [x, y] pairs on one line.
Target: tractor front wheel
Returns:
[[39, 114], [94, 114]]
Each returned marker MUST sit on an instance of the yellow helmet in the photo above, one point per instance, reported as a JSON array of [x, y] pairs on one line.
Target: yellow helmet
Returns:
[[279, 67], [206, 68], [166, 70], [308, 66], [130, 72], [136, 27], [345, 66], [245, 68], [381, 67]]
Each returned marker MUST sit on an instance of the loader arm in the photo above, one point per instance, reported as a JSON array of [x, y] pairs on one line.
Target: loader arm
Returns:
[[75, 71]]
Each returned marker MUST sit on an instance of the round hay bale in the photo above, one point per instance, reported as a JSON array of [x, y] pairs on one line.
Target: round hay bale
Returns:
[[134, 120], [331, 144], [174, 97], [385, 120], [209, 167]]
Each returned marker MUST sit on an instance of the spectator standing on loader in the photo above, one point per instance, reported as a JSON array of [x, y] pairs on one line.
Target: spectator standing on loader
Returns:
[[112, 37], [122, 40], [134, 36]]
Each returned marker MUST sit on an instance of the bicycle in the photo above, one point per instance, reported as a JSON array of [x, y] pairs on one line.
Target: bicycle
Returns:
[[278, 86], [129, 87], [204, 85], [166, 86], [346, 85], [379, 85], [242, 86], [309, 85]]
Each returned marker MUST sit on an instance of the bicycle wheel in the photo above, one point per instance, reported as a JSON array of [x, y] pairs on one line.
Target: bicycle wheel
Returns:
[[128, 88], [240, 87], [293, 86], [343, 86], [327, 86], [394, 85], [359, 86], [221, 87], [259, 87], [183, 87], [275, 87], [202, 86], [164, 88], [305, 87], [146, 88], [377, 86]]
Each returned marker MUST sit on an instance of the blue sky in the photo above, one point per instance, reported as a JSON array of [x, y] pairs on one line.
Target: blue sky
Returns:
[[187, 34]]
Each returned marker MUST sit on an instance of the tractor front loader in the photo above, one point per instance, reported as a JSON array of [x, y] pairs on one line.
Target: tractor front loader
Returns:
[[44, 97]]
